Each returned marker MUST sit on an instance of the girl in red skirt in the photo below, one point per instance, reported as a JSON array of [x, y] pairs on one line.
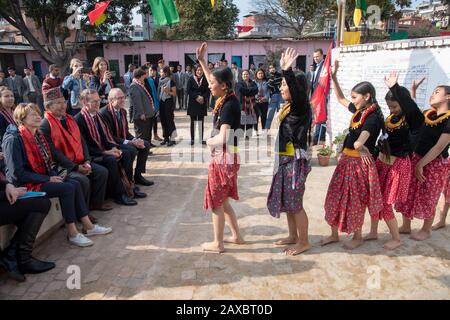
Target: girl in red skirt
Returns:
[[292, 164], [354, 185], [405, 119], [429, 165], [446, 193], [224, 166]]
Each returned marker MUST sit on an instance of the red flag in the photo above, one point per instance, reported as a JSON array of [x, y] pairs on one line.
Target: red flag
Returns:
[[319, 98], [244, 28], [97, 13]]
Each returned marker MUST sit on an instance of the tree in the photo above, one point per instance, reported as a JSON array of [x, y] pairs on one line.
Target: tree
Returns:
[[199, 21], [49, 19], [293, 15]]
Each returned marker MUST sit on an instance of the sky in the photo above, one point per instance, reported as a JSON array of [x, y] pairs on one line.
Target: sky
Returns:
[[244, 6]]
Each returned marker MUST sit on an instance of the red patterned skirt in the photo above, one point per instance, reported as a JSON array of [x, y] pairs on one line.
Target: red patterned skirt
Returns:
[[353, 187], [394, 183], [222, 180], [447, 188], [423, 197]]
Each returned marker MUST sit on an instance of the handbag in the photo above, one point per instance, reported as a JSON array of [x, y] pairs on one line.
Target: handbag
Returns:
[[128, 185]]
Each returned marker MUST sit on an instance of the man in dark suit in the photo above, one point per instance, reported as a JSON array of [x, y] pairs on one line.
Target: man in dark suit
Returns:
[[103, 148], [32, 88], [115, 116], [71, 152], [320, 128], [15, 83]]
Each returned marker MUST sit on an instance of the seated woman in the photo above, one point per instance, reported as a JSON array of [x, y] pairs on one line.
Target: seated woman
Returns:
[[27, 215], [29, 163]]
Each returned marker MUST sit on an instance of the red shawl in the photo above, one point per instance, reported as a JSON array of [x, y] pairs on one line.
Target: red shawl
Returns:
[[40, 159], [93, 130], [123, 118], [8, 117], [69, 142]]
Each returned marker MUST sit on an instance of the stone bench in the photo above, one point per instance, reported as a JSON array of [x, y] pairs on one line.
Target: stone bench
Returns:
[[52, 222]]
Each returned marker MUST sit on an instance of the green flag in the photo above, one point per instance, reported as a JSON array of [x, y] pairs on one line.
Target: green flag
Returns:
[[164, 12]]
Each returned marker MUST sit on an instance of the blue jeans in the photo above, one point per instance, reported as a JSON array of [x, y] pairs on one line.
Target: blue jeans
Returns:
[[274, 105]]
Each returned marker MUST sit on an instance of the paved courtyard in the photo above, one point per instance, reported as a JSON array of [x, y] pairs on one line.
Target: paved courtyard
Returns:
[[154, 251]]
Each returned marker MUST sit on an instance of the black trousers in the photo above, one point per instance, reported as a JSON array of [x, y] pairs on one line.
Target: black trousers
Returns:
[[93, 185], [202, 126], [261, 112], [115, 185], [143, 130], [155, 126], [180, 98], [70, 195], [167, 116], [142, 156]]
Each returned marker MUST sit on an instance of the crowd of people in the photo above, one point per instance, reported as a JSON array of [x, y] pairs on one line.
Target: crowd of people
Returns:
[[71, 140]]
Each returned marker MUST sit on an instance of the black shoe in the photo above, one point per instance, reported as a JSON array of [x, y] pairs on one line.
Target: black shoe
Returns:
[[152, 145], [150, 153], [139, 179], [204, 142], [125, 200], [192, 142], [8, 263], [36, 266], [171, 143], [138, 194], [164, 142]]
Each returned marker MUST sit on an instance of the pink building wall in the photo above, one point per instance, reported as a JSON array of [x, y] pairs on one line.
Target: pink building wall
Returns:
[[175, 50]]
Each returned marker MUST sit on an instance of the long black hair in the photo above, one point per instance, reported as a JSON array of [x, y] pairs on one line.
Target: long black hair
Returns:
[[364, 88], [224, 75], [302, 85]]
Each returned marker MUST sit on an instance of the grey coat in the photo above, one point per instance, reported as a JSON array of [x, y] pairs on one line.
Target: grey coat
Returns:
[[36, 84], [16, 83], [141, 102]]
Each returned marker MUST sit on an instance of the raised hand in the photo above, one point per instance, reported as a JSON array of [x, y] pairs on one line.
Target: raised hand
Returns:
[[391, 80], [334, 68], [287, 58], [201, 51], [415, 84]]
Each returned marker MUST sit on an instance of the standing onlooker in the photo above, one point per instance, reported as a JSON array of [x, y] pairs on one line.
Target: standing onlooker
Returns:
[[210, 66], [186, 76], [32, 88], [246, 91], [309, 77], [53, 79], [75, 83], [161, 64], [153, 82], [166, 93], [3, 79], [102, 80], [252, 71], [198, 92], [274, 84], [237, 74], [179, 78], [262, 99], [224, 63], [128, 77], [320, 128], [15, 83]]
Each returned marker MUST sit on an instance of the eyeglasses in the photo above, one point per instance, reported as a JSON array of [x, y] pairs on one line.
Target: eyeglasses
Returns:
[[94, 102]]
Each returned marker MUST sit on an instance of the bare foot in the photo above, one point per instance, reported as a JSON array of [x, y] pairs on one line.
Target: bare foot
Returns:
[[329, 240], [371, 236], [439, 225], [392, 244], [420, 235], [353, 244], [285, 241], [404, 230], [213, 247], [238, 240], [299, 248]]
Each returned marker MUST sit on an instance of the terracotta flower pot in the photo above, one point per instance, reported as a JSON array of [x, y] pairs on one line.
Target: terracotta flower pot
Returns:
[[323, 160]]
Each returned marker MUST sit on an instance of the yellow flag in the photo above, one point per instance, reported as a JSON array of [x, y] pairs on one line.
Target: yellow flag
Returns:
[[357, 15], [213, 2], [352, 38], [100, 20]]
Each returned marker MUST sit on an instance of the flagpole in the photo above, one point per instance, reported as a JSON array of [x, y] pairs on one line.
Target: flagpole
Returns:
[[342, 23], [338, 24]]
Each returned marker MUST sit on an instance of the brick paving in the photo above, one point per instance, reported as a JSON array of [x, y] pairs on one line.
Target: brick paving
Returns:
[[154, 251]]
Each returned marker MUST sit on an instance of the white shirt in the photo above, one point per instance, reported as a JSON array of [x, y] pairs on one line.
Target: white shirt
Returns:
[[30, 83]]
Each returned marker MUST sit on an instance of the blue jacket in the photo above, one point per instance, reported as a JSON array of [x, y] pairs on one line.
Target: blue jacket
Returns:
[[73, 85], [151, 82]]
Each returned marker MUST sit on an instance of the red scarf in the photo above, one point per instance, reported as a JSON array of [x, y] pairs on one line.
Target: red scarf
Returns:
[[68, 141], [145, 90], [121, 133], [93, 130], [7, 116], [39, 158]]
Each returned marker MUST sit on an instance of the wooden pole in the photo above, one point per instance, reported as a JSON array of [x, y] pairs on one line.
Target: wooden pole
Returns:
[[342, 23]]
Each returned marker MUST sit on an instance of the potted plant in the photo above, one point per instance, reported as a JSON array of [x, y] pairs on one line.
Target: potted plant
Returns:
[[323, 154], [339, 142]]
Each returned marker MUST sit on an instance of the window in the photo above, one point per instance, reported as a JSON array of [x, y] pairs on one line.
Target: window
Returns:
[[132, 58], [214, 57], [12, 39]]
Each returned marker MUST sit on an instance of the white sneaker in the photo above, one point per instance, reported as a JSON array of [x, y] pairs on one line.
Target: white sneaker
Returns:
[[81, 241], [97, 230]]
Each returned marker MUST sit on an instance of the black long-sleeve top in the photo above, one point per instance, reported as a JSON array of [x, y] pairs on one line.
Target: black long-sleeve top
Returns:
[[401, 139], [294, 127], [246, 90], [274, 83], [429, 136]]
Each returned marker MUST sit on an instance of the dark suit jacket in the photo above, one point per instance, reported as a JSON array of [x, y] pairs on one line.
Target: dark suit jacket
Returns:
[[18, 82], [58, 155], [193, 90], [315, 81], [94, 150], [107, 116]]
